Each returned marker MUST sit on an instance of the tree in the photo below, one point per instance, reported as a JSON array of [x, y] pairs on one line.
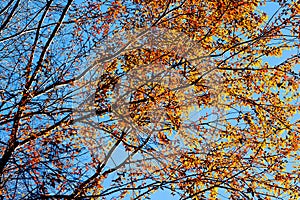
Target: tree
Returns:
[[184, 93]]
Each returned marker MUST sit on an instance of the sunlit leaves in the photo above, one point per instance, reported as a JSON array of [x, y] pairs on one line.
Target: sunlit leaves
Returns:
[[199, 97]]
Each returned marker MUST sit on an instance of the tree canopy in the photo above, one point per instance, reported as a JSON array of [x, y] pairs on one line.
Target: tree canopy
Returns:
[[123, 98]]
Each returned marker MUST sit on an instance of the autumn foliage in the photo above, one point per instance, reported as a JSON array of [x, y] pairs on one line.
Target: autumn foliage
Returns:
[[122, 99]]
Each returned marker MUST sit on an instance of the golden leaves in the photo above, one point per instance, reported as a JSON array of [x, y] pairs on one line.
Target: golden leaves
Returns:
[[242, 144]]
